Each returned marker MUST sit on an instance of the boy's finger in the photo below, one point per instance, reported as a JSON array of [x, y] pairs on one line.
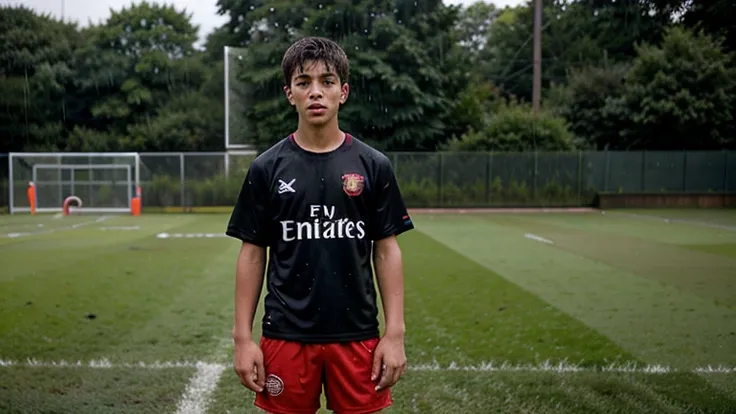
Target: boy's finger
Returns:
[[385, 378], [261, 371], [376, 371]]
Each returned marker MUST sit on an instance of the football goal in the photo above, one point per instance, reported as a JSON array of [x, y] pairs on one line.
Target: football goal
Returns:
[[94, 182]]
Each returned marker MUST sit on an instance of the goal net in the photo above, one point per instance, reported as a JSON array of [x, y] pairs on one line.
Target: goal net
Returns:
[[102, 182]]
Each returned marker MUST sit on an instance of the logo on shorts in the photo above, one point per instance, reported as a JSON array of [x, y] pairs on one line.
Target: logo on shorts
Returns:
[[353, 184], [274, 385]]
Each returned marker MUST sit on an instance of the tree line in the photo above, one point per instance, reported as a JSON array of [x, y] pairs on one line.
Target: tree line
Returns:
[[425, 76]]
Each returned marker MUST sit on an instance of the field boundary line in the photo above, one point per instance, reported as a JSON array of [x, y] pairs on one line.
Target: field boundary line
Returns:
[[501, 210], [57, 229], [675, 220], [210, 372]]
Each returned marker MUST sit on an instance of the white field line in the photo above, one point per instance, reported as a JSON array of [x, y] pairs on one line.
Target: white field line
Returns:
[[190, 235], [208, 373], [199, 391], [121, 228], [676, 220], [200, 388], [538, 238], [54, 230]]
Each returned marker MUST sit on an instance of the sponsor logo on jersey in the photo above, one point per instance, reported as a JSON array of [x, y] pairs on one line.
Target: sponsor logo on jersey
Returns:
[[353, 184], [324, 224]]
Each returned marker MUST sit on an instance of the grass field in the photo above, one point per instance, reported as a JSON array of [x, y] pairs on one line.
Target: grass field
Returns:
[[624, 312]]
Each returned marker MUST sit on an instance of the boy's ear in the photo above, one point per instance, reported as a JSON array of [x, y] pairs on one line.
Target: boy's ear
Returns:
[[289, 96], [344, 92]]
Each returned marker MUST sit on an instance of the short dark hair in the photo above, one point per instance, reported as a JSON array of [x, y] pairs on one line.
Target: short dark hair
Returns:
[[317, 49]]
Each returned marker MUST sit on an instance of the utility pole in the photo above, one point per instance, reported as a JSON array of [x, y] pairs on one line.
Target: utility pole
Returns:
[[537, 84]]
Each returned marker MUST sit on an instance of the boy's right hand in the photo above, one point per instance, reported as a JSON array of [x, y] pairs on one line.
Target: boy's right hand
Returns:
[[249, 365]]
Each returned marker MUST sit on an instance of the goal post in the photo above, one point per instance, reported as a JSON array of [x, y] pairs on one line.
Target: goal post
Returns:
[[103, 182], [235, 99]]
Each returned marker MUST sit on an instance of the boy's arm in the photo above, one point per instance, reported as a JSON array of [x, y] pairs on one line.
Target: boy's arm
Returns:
[[249, 224], [249, 276], [390, 276], [248, 283], [389, 219], [390, 359]]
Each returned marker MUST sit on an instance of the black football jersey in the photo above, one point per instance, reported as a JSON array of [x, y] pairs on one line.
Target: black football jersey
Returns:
[[319, 213]]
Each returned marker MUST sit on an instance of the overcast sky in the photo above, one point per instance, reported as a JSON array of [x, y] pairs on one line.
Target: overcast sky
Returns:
[[204, 12]]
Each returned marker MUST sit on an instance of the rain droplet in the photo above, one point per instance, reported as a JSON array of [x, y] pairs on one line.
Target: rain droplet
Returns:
[[272, 9], [252, 7], [320, 5]]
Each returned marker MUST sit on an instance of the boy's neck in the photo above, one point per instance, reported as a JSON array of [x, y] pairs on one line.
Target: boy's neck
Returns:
[[325, 139]]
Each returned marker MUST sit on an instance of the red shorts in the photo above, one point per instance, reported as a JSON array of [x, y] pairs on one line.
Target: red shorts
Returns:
[[296, 372]]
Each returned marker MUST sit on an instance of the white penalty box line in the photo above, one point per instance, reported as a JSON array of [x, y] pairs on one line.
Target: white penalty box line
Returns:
[[547, 366]]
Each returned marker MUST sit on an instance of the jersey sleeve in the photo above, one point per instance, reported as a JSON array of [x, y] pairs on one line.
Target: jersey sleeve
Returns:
[[389, 215], [249, 219]]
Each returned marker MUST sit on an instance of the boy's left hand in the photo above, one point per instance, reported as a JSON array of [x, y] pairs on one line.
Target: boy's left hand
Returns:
[[389, 361]]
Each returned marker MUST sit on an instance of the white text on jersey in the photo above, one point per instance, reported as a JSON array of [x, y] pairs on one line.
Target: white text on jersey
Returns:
[[323, 226]]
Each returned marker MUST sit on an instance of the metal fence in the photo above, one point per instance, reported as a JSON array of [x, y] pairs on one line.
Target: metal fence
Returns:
[[448, 179]]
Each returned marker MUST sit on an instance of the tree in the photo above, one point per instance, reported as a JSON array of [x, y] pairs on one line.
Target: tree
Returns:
[[405, 67], [715, 17], [130, 71], [575, 34], [587, 102], [680, 94], [35, 79], [473, 26]]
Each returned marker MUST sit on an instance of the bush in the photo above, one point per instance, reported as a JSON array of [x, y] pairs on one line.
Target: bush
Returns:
[[515, 128]]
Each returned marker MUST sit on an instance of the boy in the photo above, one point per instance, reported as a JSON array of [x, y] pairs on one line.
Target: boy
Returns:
[[328, 206]]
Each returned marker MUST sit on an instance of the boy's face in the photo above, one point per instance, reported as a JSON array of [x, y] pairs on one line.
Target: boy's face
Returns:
[[316, 93]]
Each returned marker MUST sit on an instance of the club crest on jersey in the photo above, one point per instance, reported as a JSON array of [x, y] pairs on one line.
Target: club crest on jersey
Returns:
[[353, 184], [274, 385]]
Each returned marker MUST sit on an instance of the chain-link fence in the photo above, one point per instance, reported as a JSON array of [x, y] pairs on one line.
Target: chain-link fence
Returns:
[[448, 179], [549, 179]]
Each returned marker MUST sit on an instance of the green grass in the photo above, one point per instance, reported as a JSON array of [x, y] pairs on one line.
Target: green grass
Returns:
[[613, 290], [90, 391]]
